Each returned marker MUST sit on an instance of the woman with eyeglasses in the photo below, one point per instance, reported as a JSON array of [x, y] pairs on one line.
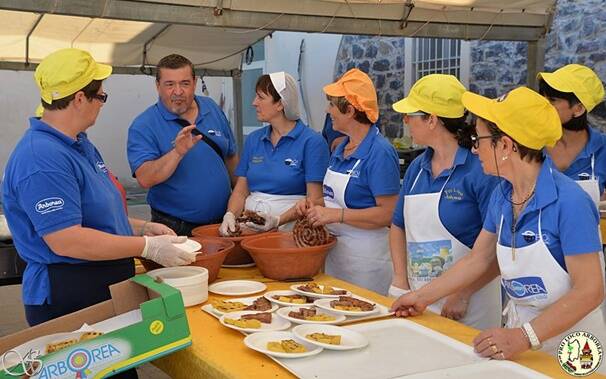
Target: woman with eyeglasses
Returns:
[[360, 187], [540, 232], [442, 203]]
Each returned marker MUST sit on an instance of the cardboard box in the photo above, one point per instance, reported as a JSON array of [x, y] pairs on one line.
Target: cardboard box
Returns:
[[162, 330]]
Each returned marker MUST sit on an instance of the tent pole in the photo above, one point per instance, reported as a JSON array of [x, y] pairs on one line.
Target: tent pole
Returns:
[[536, 61], [237, 87]]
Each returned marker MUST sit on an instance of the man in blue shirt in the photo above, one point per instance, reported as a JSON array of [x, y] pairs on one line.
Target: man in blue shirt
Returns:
[[574, 90], [183, 150], [66, 215]]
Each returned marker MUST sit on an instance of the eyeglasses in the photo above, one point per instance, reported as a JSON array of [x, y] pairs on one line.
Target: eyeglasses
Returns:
[[102, 97], [475, 140]]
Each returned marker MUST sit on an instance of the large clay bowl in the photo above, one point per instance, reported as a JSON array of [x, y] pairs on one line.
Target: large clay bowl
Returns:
[[237, 256], [214, 251], [279, 258]]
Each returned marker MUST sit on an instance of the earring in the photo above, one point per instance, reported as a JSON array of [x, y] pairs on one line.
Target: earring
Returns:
[[504, 158]]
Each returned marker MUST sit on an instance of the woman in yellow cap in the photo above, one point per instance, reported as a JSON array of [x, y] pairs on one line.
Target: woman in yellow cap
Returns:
[[360, 186], [442, 203], [550, 267], [574, 90]]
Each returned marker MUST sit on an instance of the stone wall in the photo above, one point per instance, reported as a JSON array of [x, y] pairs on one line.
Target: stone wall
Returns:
[[382, 58]]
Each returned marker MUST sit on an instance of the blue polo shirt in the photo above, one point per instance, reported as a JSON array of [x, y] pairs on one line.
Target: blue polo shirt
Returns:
[[199, 188], [569, 218], [299, 157], [465, 198], [580, 168], [378, 173], [52, 182]]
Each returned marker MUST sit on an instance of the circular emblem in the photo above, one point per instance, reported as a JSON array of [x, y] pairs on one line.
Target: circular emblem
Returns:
[[580, 353], [156, 327], [518, 288], [78, 360]]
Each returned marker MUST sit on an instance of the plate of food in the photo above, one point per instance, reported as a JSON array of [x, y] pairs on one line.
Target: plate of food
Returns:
[[348, 306], [288, 298], [330, 337], [255, 303], [281, 345], [316, 290], [309, 315], [236, 287], [251, 321]]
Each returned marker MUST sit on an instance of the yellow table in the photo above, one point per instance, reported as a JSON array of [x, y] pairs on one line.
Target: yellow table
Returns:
[[218, 352]]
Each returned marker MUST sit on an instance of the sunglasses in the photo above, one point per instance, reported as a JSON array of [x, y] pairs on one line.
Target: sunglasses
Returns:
[[102, 97]]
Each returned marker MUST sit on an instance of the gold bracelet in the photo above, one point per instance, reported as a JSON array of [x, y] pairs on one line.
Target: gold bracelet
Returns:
[[342, 215]]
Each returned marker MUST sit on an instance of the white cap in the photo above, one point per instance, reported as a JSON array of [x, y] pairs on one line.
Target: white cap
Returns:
[[286, 86]]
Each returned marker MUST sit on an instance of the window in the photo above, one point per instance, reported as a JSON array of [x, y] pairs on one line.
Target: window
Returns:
[[425, 56]]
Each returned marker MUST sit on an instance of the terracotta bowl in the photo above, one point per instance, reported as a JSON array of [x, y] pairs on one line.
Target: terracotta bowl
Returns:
[[279, 258], [214, 251], [237, 256]]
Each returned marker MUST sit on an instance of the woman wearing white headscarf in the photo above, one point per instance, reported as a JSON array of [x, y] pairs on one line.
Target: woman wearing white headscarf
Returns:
[[281, 163]]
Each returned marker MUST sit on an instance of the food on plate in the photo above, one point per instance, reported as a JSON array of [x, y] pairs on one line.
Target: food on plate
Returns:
[[56, 346], [264, 317], [261, 304], [89, 336], [348, 303], [286, 346], [244, 324], [325, 338], [295, 299], [325, 290], [306, 235], [310, 315], [228, 306]]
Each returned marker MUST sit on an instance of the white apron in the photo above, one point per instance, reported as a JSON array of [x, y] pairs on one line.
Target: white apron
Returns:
[[534, 281], [431, 250], [361, 256], [272, 204], [591, 186]]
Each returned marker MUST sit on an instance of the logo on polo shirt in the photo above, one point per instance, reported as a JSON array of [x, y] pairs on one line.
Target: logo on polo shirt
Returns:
[[584, 176], [50, 204], [580, 353], [291, 162], [101, 166], [257, 159], [527, 288], [328, 192], [214, 132], [453, 194], [529, 236]]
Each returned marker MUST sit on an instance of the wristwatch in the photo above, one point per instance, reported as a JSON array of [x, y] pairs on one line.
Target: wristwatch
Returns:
[[535, 344]]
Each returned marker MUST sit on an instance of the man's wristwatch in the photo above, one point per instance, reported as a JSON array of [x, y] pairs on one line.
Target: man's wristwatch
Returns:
[[535, 344]]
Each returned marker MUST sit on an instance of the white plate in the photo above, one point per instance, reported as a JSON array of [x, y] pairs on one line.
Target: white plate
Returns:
[[283, 312], [189, 246], [325, 304], [237, 287], [269, 296], [252, 264], [295, 288], [277, 323], [244, 300], [258, 342], [349, 339]]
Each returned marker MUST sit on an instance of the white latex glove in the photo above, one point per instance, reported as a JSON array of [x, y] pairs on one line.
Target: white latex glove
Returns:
[[161, 250], [271, 222], [396, 292], [228, 224]]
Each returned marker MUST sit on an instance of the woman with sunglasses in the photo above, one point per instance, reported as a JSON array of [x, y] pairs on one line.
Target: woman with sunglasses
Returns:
[[540, 232], [442, 203]]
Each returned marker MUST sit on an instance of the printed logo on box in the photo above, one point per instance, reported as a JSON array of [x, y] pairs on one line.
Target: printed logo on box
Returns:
[[580, 353], [527, 288], [50, 204]]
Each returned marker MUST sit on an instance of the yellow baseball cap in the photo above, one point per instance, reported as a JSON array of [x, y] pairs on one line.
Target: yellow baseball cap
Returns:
[[577, 79], [522, 114], [358, 89], [67, 71], [437, 94]]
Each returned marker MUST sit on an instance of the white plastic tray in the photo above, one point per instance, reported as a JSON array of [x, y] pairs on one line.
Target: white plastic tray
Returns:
[[398, 348]]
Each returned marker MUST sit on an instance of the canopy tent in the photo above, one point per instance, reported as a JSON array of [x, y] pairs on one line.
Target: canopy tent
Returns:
[[133, 35]]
